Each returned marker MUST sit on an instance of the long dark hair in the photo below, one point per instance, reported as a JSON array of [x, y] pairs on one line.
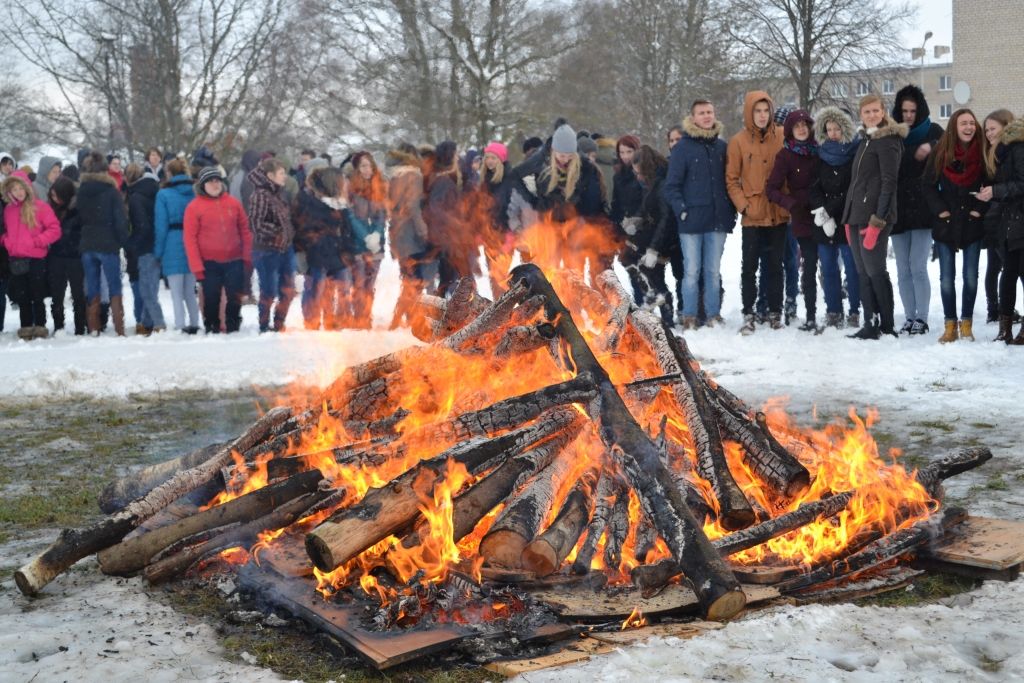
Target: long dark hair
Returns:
[[945, 150], [649, 164]]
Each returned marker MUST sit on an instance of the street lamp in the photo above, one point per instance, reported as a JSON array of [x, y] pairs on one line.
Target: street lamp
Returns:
[[919, 53], [108, 46]]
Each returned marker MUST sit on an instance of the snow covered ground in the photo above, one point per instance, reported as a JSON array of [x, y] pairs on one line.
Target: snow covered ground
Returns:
[[932, 398]]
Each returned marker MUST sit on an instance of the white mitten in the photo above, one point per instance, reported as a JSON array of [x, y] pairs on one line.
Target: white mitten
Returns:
[[629, 225], [820, 216], [373, 242], [682, 217], [650, 259], [531, 184], [829, 227]]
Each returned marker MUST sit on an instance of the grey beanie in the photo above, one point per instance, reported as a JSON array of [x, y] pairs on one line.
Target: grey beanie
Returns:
[[564, 140], [586, 146]]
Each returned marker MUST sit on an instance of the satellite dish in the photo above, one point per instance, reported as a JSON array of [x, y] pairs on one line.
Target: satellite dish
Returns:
[[962, 92]]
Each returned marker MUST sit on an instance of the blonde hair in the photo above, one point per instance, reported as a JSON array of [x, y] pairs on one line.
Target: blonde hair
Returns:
[[497, 174], [572, 175], [1004, 117], [133, 173], [869, 99], [28, 207]]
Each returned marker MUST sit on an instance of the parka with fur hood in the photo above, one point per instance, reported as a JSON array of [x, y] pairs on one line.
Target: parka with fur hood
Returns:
[[834, 171], [102, 213], [913, 212], [749, 160], [871, 199], [695, 183], [408, 229], [1006, 215]]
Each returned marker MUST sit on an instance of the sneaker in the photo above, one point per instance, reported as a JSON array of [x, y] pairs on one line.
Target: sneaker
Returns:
[[809, 326], [869, 331], [908, 328], [749, 325], [834, 320], [919, 327], [775, 321], [853, 320]]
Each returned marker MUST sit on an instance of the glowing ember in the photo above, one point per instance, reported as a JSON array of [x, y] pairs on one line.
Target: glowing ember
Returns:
[[636, 619]]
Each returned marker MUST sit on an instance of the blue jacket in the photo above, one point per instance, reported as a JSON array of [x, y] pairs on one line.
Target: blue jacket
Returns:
[[696, 181], [169, 245]]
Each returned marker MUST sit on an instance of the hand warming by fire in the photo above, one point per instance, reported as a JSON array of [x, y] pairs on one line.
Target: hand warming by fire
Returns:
[[558, 433]]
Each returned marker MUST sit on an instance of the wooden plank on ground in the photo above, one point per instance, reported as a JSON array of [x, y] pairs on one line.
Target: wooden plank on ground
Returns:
[[585, 604], [982, 542], [287, 556], [893, 578]]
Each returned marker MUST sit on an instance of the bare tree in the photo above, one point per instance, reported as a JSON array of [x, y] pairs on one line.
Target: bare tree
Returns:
[[807, 41]]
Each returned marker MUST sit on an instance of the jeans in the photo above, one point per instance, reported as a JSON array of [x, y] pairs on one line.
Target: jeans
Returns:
[[357, 301], [29, 292], [110, 264], [702, 255], [831, 281], [809, 275], [912, 249], [947, 279], [149, 291], [276, 271], [138, 309], [771, 240], [183, 295], [228, 278], [62, 271], [312, 293]]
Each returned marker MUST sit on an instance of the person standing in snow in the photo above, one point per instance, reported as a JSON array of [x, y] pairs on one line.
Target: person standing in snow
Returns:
[[789, 185], [951, 181], [64, 259], [494, 192], [994, 125], [7, 165], [442, 211], [273, 251], [408, 230], [169, 244], [368, 214], [48, 171], [838, 147], [104, 232], [219, 248], [652, 234], [143, 187], [321, 225], [30, 227], [871, 210]]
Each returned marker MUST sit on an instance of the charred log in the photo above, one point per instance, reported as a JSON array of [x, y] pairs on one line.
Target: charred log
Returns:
[[617, 530], [119, 493], [546, 553], [604, 501]]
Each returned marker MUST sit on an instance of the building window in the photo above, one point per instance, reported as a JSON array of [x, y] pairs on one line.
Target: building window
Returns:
[[862, 88], [945, 82], [838, 90], [888, 87], [945, 111]]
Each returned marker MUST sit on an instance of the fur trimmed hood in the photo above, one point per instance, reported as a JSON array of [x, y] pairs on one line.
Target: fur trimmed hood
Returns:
[[837, 116], [398, 158], [98, 177], [1014, 132], [18, 177], [910, 92], [889, 128], [697, 133]]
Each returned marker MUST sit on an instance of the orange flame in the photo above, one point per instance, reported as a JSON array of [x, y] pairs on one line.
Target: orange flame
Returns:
[[636, 619]]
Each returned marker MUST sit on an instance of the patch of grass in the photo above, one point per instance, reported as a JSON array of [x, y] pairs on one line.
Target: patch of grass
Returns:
[[940, 425], [996, 483], [982, 425], [927, 588]]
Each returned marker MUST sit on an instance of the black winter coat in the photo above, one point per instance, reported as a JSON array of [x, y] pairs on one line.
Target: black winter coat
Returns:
[[499, 194], [320, 232], [829, 190], [695, 183], [627, 195], [1004, 221], [587, 201], [960, 228], [101, 210], [873, 180], [656, 221], [141, 212], [70, 234], [913, 210]]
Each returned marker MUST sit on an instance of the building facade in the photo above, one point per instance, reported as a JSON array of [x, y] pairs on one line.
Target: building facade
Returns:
[[989, 53]]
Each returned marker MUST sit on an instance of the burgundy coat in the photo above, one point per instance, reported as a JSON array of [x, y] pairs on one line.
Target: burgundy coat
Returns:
[[789, 186]]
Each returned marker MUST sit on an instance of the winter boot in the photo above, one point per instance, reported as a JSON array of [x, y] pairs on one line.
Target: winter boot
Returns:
[[775, 321], [790, 311], [104, 316], [27, 333], [950, 332], [834, 320], [689, 322], [965, 330], [749, 324], [1005, 330], [715, 321], [1019, 339], [809, 326], [869, 331], [117, 314], [40, 332], [92, 316], [853, 320]]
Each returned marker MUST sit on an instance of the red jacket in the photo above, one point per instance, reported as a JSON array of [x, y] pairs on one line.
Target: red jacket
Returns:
[[22, 241], [216, 230]]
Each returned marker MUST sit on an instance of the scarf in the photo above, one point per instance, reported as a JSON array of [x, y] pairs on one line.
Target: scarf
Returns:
[[805, 148], [838, 153], [966, 167], [918, 134]]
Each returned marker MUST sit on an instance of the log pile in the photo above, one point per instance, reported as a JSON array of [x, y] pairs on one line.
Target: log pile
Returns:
[[566, 476]]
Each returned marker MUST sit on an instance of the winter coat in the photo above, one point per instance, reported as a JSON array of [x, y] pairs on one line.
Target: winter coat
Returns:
[[695, 184], [368, 219], [913, 213], [141, 214], [20, 240], [656, 224], [873, 180], [1006, 215], [70, 234], [320, 231], [41, 187], [240, 186], [606, 158], [101, 210], [960, 228], [627, 195], [269, 214], [216, 229], [169, 221], [833, 179], [793, 173], [441, 211], [587, 200], [498, 195], [405, 194], [749, 159]]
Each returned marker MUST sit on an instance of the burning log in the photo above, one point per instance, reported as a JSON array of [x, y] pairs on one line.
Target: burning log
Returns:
[[617, 530], [716, 587], [490, 320], [388, 510], [462, 306], [621, 303], [524, 339], [520, 521], [133, 554], [646, 538], [545, 553], [605, 499], [785, 478], [963, 460], [74, 544], [116, 495], [701, 419]]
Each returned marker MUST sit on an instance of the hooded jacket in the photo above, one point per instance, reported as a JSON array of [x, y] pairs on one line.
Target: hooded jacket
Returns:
[[240, 187], [789, 184], [70, 226], [101, 210], [169, 221], [20, 240], [216, 229], [834, 170], [141, 209], [749, 160], [695, 183], [913, 213], [873, 180], [1006, 215], [269, 214], [42, 184]]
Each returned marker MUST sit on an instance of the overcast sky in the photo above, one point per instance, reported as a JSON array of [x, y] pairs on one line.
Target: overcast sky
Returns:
[[935, 16]]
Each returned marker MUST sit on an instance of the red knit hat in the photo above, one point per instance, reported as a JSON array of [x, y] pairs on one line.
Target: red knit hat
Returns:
[[497, 149]]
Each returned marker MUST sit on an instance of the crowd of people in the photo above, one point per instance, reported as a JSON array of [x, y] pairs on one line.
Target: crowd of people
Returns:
[[818, 197]]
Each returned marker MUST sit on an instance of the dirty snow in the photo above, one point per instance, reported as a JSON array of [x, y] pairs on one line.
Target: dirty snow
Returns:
[[931, 398]]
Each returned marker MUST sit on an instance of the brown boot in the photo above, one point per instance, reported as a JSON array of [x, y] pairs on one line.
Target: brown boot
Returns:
[[1019, 339], [1005, 330], [117, 314], [965, 330], [949, 333], [92, 316]]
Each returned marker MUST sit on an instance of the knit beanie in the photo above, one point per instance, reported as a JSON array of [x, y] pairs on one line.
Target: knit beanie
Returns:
[[209, 173], [781, 113], [586, 146], [497, 149], [564, 140]]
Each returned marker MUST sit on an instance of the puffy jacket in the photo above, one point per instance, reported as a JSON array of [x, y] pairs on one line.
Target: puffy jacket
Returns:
[[269, 214], [834, 171], [169, 222], [101, 210], [789, 186], [960, 228], [587, 201], [70, 234], [141, 207], [320, 230], [1005, 218], [696, 181], [873, 180], [749, 160], [216, 229], [22, 241]]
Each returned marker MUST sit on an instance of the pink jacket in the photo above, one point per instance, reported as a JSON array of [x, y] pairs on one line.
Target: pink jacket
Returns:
[[23, 242]]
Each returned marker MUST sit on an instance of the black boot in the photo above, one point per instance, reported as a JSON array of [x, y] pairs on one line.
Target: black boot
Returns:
[[1005, 329]]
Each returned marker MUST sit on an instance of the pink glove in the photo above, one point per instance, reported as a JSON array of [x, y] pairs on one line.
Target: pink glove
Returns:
[[870, 235], [848, 239]]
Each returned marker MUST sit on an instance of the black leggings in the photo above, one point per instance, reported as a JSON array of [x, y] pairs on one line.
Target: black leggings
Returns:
[[1013, 270], [29, 290], [809, 274], [995, 266]]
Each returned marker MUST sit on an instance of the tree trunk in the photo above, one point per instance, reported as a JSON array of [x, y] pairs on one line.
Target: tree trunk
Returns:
[[546, 553]]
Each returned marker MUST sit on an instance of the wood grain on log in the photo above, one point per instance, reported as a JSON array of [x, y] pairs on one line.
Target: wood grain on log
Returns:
[[604, 501], [546, 553], [116, 495]]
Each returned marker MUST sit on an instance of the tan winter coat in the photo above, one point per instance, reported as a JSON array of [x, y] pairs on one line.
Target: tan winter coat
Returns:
[[749, 161]]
